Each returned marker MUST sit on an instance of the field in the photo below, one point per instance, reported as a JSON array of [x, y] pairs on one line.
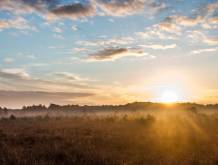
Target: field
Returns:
[[164, 138]]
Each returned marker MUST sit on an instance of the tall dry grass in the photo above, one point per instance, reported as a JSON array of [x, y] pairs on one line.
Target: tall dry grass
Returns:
[[166, 138]]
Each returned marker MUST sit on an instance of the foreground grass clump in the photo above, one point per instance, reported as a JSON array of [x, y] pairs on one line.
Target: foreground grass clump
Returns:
[[114, 140]]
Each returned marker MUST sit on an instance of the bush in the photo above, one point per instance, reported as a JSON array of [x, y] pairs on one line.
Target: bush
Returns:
[[12, 117], [148, 120]]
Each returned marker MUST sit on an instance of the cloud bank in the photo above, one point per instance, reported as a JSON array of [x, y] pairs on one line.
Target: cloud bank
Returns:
[[75, 10], [19, 98]]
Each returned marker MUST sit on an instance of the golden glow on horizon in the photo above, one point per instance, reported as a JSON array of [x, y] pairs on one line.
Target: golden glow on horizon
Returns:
[[172, 85], [169, 96]]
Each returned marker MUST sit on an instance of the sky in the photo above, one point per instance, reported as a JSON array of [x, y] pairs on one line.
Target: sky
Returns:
[[107, 51]]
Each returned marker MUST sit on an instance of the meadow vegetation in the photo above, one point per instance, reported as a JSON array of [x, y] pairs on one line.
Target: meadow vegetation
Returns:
[[162, 138]]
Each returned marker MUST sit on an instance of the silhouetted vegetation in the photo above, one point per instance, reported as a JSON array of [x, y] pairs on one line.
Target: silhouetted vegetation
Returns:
[[12, 117], [35, 107], [127, 107]]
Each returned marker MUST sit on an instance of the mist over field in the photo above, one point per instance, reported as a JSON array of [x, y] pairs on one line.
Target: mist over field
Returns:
[[136, 133], [135, 108]]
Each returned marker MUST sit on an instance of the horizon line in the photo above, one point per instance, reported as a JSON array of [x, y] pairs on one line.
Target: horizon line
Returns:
[[99, 105]]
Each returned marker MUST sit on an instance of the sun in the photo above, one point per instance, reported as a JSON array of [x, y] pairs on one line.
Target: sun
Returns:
[[169, 96]]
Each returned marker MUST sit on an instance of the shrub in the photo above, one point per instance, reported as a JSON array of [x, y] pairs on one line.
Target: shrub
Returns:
[[12, 117]]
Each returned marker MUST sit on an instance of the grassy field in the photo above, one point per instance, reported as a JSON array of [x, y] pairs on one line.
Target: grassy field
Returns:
[[168, 138]]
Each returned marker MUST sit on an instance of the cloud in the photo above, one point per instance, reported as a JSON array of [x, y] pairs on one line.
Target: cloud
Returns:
[[129, 7], [69, 76], [159, 47], [74, 28], [174, 26], [110, 54], [208, 14], [14, 74], [18, 88], [121, 8], [57, 30], [74, 11], [208, 25], [168, 29], [211, 40], [58, 36], [202, 37], [107, 42], [16, 23], [54, 9], [16, 6], [211, 23], [163, 31], [49, 9], [27, 6], [184, 20], [208, 9], [168, 26], [16, 78], [66, 76], [8, 60], [199, 51], [213, 20], [4, 24], [19, 98], [79, 50]]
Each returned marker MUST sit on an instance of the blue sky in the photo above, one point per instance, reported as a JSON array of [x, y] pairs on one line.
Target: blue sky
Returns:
[[107, 51]]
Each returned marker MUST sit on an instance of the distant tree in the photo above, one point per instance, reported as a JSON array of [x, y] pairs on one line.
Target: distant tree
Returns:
[[34, 107], [12, 117], [54, 107], [24, 108], [5, 110]]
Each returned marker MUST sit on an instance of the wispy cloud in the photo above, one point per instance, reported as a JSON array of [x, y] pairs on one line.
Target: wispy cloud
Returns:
[[168, 27], [202, 37], [213, 20], [19, 88], [14, 74], [184, 20], [79, 50], [208, 50], [67, 76], [19, 98], [57, 30], [8, 60], [107, 42], [161, 31], [74, 28], [159, 47], [129, 7], [18, 78], [16, 23]]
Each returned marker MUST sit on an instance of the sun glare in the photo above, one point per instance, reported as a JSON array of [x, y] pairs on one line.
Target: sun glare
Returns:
[[169, 96]]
